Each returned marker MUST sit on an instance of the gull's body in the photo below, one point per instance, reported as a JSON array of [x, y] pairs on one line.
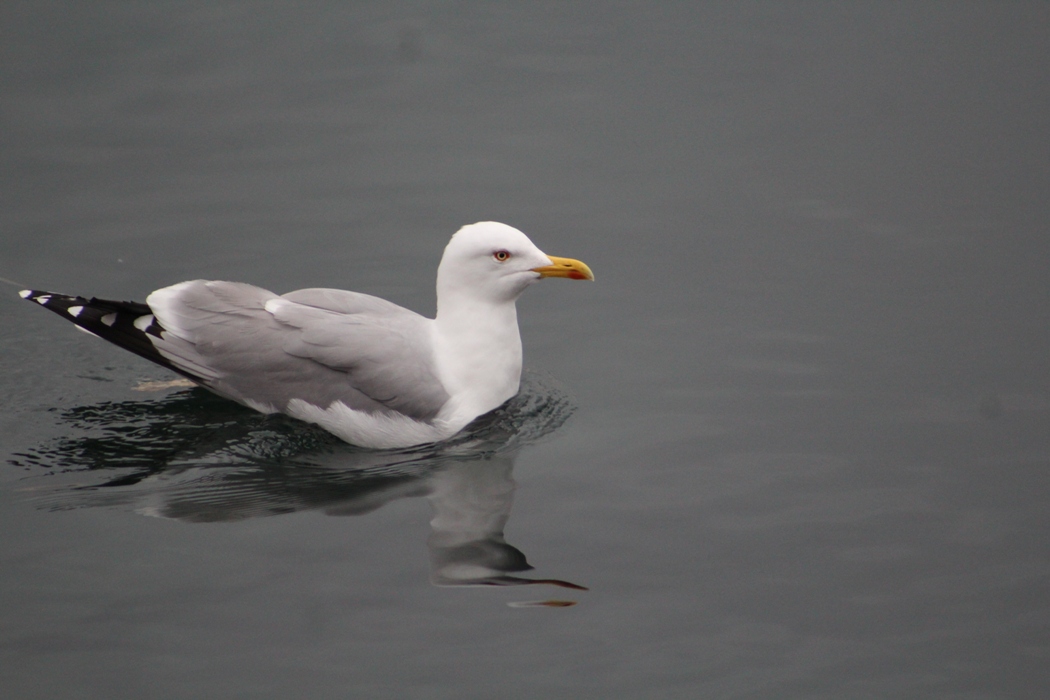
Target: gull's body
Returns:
[[369, 371]]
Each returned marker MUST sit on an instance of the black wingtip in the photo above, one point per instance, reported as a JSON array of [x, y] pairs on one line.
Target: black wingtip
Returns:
[[127, 324], [38, 296]]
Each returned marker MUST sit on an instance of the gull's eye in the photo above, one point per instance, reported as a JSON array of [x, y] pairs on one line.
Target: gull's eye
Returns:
[[501, 256]]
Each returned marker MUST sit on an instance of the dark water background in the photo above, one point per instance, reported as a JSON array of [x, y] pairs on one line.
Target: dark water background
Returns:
[[809, 455]]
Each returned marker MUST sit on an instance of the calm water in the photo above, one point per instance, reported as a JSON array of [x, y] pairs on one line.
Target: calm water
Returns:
[[794, 442]]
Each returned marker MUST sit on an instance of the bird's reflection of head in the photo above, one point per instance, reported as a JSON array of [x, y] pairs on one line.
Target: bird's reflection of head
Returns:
[[472, 502]]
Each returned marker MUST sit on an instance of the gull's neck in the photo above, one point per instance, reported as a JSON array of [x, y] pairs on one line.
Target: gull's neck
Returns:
[[478, 351]]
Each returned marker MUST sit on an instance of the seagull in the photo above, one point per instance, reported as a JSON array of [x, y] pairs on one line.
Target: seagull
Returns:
[[371, 372]]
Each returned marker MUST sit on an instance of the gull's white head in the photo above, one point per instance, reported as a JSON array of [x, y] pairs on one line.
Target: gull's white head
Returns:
[[486, 266], [494, 262]]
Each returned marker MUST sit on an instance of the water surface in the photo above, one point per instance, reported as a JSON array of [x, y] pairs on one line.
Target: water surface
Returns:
[[809, 452]]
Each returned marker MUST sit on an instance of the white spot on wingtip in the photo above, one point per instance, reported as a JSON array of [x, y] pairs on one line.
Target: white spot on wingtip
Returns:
[[109, 319], [143, 322], [85, 330], [26, 293], [75, 310], [43, 300]]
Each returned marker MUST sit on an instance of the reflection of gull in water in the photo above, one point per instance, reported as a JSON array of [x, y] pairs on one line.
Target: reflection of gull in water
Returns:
[[232, 464], [472, 503]]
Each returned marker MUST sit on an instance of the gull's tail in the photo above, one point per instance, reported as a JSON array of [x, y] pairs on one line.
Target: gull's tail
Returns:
[[127, 324]]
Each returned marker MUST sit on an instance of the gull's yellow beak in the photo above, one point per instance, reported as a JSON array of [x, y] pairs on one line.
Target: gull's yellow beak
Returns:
[[565, 267]]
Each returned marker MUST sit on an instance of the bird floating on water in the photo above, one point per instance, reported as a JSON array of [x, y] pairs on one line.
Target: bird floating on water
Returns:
[[371, 372]]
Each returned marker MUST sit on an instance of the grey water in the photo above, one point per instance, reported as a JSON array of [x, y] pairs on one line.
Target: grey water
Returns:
[[793, 442]]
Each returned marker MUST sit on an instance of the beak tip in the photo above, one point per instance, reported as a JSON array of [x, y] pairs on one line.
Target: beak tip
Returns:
[[567, 268]]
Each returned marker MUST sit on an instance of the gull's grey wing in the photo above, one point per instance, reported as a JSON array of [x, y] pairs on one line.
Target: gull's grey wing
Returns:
[[385, 349], [342, 301], [315, 345]]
